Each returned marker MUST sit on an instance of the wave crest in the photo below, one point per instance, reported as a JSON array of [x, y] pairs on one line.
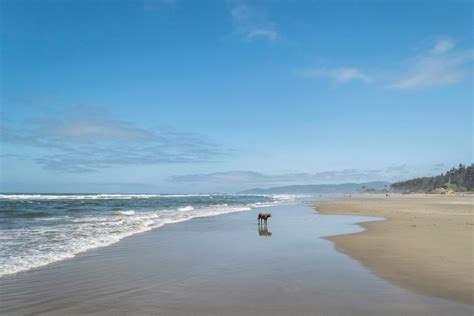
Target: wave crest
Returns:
[[186, 208]]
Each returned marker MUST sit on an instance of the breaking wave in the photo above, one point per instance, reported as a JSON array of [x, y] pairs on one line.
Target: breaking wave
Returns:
[[50, 228]]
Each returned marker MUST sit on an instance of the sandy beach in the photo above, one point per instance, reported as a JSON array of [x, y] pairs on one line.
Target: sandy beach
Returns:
[[425, 244], [222, 265]]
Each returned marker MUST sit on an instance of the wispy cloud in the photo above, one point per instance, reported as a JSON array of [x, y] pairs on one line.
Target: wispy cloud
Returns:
[[256, 178], [75, 144], [400, 168], [90, 131], [338, 75], [268, 34], [442, 46], [11, 156], [251, 23], [441, 65]]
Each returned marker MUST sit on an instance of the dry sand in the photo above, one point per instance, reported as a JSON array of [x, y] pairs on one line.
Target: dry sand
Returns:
[[426, 244]]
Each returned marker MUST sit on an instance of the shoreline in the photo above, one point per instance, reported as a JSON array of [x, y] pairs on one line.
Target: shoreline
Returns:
[[71, 250], [425, 243], [220, 265]]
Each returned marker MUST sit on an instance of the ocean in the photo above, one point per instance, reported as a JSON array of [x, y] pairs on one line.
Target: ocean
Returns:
[[38, 229]]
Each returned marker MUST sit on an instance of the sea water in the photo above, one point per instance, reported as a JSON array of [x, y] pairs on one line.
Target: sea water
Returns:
[[38, 229]]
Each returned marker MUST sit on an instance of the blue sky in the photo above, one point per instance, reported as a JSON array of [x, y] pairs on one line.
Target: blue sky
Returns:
[[196, 96]]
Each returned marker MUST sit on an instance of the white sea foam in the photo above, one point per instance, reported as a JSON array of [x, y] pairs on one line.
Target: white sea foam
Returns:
[[38, 197], [186, 195], [32, 247], [49, 219], [263, 204], [186, 208], [124, 213]]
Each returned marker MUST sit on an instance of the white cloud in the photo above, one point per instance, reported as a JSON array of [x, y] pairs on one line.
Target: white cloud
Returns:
[[268, 34], [92, 131], [338, 75], [442, 46], [70, 143], [252, 24], [441, 65], [257, 178], [390, 173]]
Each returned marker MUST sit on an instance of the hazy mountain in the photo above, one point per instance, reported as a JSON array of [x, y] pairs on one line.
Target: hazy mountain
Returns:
[[321, 188]]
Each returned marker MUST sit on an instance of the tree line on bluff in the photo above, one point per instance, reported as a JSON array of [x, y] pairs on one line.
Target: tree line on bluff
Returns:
[[458, 179]]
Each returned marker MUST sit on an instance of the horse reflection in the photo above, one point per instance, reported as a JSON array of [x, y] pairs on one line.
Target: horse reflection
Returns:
[[263, 231]]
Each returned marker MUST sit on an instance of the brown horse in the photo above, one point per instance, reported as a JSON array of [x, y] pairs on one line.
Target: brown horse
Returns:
[[264, 217]]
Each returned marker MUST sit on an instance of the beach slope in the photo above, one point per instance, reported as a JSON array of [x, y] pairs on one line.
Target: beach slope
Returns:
[[425, 244]]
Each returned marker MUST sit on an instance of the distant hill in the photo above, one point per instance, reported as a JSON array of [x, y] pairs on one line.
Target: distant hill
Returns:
[[321, 188], [457, 179]]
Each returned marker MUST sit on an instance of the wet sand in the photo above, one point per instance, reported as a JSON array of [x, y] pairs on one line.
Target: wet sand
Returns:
[[223, 265], [426, 243]]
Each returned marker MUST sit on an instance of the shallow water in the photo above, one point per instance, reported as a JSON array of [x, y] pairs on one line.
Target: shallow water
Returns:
[[38, 229], [223, 265]]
